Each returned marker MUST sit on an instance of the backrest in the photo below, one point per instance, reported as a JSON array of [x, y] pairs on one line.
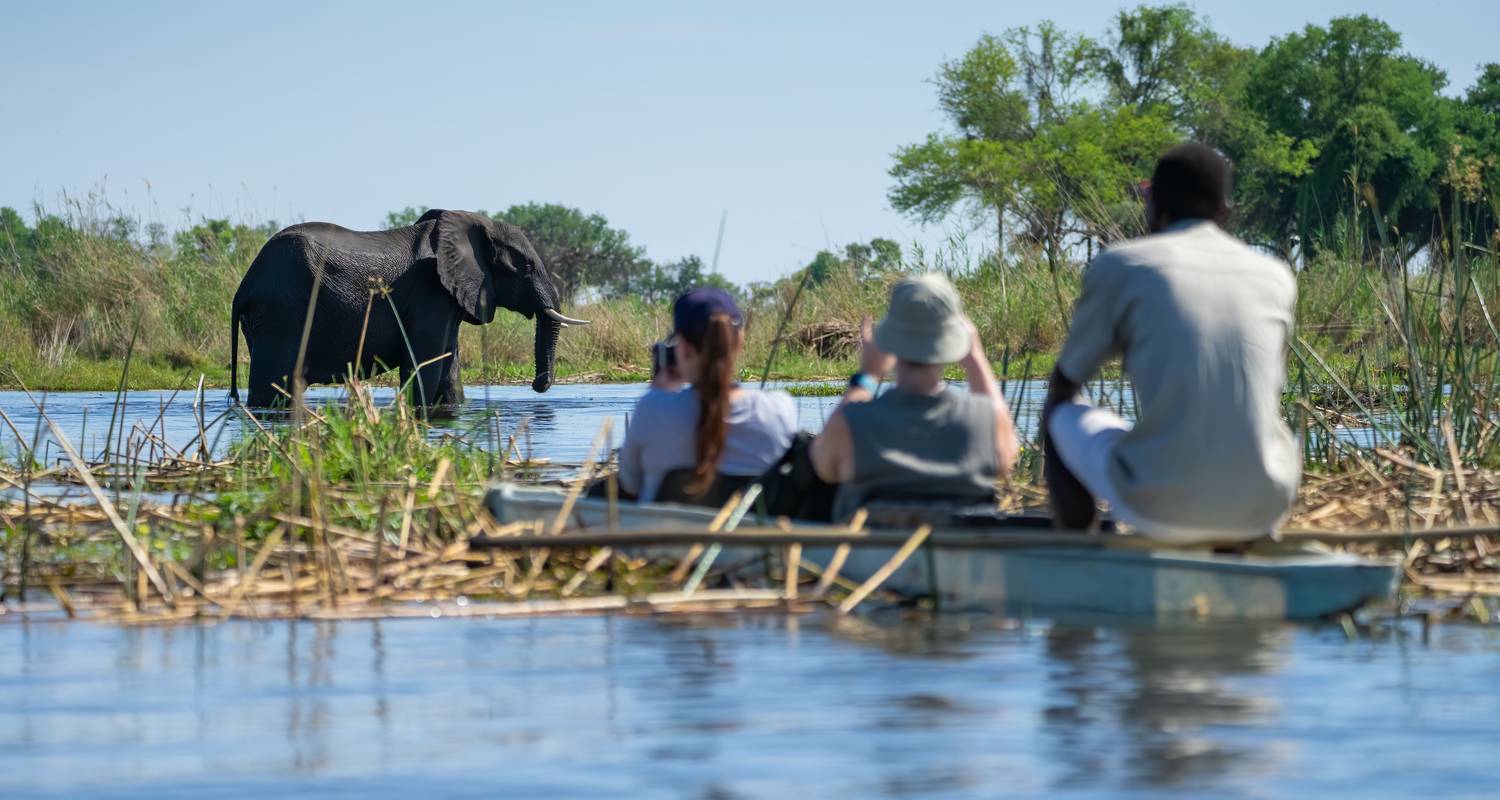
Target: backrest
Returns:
[[675, 488]]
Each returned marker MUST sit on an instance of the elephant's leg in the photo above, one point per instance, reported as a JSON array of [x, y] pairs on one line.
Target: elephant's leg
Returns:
[[450, 389], [440, 383], [435, 346], [271, 362], [421, 385]]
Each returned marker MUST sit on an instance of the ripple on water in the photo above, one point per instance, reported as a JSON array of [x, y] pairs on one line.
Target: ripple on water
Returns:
[[743, 707]]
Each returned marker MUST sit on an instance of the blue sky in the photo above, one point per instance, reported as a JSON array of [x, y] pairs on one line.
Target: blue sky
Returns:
[[658, 115]]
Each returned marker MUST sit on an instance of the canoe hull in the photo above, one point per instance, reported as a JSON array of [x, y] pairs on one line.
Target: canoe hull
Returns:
[[1137, 583], [961, 571]]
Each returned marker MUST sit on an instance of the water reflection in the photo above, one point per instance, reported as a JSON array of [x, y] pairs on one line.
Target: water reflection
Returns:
[[1163, 691], [740, 707]]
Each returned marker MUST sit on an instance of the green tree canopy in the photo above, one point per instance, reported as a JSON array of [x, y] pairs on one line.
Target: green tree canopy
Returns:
[[1029, 149], [1379, 125], [581, 250]]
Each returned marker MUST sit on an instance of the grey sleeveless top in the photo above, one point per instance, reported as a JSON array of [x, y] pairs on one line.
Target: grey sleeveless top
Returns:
[[912, 447]]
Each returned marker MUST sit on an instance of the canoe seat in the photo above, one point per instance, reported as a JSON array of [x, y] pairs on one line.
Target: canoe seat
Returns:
[[675, 489], [907, 513]]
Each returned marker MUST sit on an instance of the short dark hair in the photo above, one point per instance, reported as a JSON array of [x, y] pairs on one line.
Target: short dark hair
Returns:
[[1191, 181]]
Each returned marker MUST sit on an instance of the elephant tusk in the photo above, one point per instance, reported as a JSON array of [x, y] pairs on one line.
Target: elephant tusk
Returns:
[[564, 321]]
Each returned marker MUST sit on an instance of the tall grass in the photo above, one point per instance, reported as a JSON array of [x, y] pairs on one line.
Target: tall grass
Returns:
[[1411, 350]]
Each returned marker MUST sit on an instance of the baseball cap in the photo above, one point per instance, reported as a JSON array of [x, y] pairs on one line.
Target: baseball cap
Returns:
[[692, 311]]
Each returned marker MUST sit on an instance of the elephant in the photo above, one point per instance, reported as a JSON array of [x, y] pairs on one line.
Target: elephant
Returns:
[[387, 299]]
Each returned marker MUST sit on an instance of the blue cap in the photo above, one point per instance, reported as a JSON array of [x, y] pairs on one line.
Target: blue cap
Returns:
[[691, 312]]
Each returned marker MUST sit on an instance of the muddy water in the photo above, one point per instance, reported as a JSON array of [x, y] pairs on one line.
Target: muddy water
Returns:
[[744, 707]]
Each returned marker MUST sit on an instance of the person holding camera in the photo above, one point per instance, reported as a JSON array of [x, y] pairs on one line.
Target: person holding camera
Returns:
[[921, 441], [689, 444]]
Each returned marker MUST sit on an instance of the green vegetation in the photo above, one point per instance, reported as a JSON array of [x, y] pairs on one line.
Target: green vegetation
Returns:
[[1343, 143], [1351, 163]]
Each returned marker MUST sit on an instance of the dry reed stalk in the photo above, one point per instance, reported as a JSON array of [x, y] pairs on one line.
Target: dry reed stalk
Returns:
[[706, 561], [62, 597], [595, 561], [601, 440], [886, 570], [1458, 469], [793, 568], [187, 578], [131, 543], [437, 477], [267, 547], [680, 573], [840, 555], [406, 514]]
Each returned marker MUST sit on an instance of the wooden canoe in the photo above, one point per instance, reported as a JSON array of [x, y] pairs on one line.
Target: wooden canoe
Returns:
[[1021, 570]]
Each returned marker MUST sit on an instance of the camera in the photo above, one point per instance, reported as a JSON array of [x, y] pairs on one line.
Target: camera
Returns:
[[663, 356]]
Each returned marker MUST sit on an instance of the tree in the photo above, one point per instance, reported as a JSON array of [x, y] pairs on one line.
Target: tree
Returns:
[[1027, 147], [581, 250], [1472, 171], [1379, 126], [405, 217], [213, 239], [983, 96], [664, 283], [863, 261]]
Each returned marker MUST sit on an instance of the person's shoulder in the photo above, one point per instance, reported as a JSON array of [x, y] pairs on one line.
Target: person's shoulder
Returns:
[[1120, 259], [659, 401], [1260, 261]]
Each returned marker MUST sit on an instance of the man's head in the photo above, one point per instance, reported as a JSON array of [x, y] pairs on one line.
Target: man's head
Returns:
[[1191, 181], [924, 323]]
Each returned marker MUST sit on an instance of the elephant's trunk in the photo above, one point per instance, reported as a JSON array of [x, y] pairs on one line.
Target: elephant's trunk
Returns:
[[546, 352]]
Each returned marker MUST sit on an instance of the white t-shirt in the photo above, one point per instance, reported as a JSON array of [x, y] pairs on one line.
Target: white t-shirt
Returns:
[[1202, 322], [660, 439]]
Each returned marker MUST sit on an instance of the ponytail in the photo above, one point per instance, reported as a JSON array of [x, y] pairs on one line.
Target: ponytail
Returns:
[[713, 387]]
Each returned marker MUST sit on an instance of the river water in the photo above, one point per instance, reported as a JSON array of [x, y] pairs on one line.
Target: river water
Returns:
[[747, 706], [558, 425], [723, 707]]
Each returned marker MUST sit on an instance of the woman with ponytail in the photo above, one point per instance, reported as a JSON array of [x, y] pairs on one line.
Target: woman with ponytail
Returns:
[[713, 432]]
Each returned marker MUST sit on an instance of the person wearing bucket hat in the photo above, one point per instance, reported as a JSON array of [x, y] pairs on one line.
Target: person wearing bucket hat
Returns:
[[921, 440], [681, 442]]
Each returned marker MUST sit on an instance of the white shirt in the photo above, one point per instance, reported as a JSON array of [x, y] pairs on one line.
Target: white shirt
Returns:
[[1202, 322], [660, 439]]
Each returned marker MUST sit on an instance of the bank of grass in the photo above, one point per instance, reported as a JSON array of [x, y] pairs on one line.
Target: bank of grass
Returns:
[[182, 332], [77, 288]]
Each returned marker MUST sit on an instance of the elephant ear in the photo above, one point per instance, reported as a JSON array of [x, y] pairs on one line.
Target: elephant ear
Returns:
[[464, 253]]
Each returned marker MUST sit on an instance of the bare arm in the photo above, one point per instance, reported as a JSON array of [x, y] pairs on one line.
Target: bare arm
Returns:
[[832, 451], [981, 380]]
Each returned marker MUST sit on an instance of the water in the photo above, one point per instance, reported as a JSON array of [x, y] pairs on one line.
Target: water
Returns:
[[558, 425], [749, 706]]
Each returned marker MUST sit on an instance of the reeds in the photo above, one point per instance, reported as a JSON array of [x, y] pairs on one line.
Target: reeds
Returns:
[[349, 510]]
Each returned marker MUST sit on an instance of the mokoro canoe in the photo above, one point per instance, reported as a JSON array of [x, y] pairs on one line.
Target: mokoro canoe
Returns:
[[1012, 568]]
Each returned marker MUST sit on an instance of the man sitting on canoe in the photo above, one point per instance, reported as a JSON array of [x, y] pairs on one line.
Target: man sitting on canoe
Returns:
[[921, 440], [1202, 323]]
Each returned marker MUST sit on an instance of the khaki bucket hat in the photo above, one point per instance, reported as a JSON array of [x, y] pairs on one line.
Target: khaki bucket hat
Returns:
[[925, 323]]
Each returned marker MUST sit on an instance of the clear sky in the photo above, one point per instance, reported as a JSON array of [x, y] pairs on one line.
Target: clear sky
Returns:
[[658, 115]]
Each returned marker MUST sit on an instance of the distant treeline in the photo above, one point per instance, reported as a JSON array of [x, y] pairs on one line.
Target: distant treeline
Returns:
[[1342, 140]]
